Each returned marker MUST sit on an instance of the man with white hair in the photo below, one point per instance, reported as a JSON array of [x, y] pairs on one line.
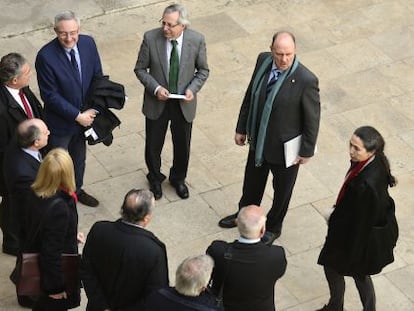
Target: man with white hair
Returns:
[[190, 292], [246, 270]]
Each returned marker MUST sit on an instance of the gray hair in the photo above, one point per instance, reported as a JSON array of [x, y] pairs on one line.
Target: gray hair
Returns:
[[183, 15], [250, 221], [137, 204], [66, 16], [11, 67], [193, 275]]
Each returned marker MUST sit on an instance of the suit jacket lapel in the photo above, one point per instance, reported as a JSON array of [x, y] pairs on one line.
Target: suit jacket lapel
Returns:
[[34, 163], [66, 62], [185, 54], [162, 54], [15, 111], [33, 102]]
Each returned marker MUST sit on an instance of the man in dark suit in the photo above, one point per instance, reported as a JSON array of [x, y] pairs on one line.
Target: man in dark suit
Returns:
[[281, 103], [122, 262], [17, 103], [247, 268], [172, 60], [65, 70], [21, 164]]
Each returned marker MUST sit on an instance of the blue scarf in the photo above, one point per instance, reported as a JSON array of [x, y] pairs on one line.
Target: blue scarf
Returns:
[[257, 144]]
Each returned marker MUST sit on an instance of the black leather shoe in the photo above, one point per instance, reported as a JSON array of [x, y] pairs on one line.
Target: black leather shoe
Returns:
[[269, 237], [324, 308], [181, 189], [228, 221], [87, 199], [156, 190]]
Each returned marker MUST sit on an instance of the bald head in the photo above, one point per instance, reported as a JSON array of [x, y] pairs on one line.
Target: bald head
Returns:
[[251, 222], [283, 49], [137, 206], [32, 134]]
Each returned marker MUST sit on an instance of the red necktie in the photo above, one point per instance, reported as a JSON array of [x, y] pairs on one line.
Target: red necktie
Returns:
[[25, 105]]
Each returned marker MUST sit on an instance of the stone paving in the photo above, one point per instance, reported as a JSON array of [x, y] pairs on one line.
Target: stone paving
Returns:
[[363, 54]]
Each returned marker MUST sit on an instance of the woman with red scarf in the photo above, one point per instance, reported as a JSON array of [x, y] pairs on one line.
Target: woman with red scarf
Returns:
[[53, 229], [362, 229]]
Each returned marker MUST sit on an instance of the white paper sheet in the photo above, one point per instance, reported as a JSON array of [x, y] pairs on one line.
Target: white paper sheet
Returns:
[[291, 148], [176, 96]]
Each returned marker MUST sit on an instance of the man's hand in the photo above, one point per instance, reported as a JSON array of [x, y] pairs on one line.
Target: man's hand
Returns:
[[240, 139], [81, 237], [301, 160], [61, 295], [189, 96], [162, 94], [86, 118]]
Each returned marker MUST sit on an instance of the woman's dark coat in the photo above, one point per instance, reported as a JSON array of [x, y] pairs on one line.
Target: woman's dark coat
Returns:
[[53, 231], [362, 230]]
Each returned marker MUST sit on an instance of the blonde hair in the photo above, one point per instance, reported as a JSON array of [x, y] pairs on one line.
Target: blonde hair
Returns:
[[56, 171]]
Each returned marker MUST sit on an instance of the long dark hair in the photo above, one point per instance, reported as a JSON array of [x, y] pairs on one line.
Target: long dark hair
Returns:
[[374, 142]]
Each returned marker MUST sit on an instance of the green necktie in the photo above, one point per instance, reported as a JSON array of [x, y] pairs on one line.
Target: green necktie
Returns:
[[174, 61]]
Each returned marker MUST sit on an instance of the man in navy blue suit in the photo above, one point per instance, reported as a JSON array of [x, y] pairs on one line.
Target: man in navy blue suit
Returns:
[[65, 69]]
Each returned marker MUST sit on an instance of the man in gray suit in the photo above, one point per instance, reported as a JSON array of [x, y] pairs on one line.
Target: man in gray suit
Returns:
[[172, 66]]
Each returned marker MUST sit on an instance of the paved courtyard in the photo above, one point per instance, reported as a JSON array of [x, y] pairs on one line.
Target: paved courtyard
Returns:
[[363, 54]]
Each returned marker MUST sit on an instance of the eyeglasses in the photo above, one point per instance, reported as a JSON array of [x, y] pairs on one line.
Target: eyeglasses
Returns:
[[168, 25], [63, 34]]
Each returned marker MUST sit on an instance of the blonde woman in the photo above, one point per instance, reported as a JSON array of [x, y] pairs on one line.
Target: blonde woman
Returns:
[[53, 228]]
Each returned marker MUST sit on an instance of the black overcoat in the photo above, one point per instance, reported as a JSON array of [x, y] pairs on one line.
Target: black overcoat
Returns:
[[362, 230]]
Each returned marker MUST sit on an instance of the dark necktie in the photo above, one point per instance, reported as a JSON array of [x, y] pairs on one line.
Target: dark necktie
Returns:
[[26, 105], [275, 75], [74, 62], [174, 62]]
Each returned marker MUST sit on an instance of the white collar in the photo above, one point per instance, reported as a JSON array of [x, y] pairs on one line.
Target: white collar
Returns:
[[34, 153], [248, 241], [13, 91], [179, 39]]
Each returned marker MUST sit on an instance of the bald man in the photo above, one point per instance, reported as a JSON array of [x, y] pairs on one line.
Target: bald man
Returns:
[[21, 163], [281, 103], [248, 267]]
